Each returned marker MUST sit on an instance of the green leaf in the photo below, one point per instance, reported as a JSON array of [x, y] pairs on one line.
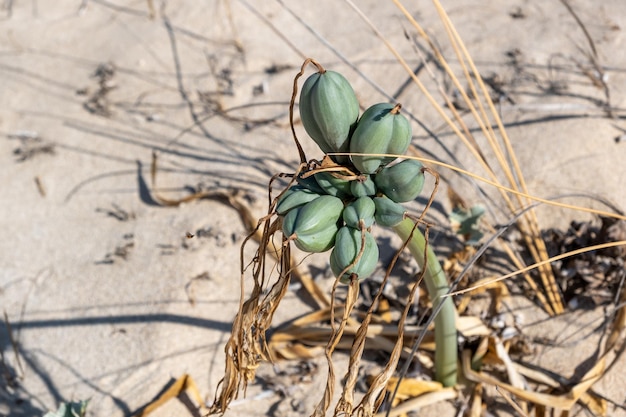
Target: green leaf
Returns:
[[70, 409], [466, 221]]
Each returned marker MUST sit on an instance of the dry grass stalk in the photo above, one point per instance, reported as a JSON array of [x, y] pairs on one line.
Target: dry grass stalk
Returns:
[[529, 224], [415, 403]]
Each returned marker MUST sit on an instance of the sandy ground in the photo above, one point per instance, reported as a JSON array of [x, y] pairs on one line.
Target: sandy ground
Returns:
[[107, 297]]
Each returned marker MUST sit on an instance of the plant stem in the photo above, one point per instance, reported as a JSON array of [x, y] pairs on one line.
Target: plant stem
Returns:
[[437, 284]]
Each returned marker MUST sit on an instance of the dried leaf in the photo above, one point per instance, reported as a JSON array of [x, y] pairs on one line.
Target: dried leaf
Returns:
[[416, 403], [476, 409], [470, 326], [181, 386], [565, 401], [515, 378], [411, 387]]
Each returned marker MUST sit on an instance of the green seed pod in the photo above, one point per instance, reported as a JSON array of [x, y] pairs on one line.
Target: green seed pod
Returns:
[[295, 196], [347, 247], [401, 182], [332, 185], [329, 109], [381, 130], [362, 208], [314, 224], [388, 212], [360, 188]]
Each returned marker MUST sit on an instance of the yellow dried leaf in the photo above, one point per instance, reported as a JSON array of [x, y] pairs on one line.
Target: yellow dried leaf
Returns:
[[413, 404], [470, 326], [384, 310], [411, 387], [182, 385]]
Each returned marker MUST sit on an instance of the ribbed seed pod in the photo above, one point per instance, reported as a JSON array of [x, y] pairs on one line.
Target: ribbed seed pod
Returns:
[[332, 185], [295, 196], [360, 188], [347, 247], [363, 208], [329, 109], [381, 130], [388, 212], [314, 224], [401, 182]]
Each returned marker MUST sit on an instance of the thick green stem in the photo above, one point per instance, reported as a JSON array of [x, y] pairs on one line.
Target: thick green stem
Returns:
[[437, 285]]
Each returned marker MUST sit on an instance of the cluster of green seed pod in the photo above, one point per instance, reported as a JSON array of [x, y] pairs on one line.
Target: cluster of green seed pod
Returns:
[[327, 210], [325, 214]]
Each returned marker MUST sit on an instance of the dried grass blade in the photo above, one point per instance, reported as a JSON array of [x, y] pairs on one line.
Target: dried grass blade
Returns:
[[470, 144], [183, 385], [411, 388], [547, 261], [537, 398], [549, 202], [379, 335], [422, 401], [310, 286], [530, 224], [476, 409], [564, 402], [515, 378], [597, 405], [294, 351], [512, 403], [535, 243]]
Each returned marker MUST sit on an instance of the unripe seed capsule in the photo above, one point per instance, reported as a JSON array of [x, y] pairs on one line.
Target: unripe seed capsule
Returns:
[[381, 130], [295, 196], [388, 212], [361, 209], [347, 248], [329, 109], [314, 225], [310, 183], [339, 187], [360, 188], [401, 182]]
